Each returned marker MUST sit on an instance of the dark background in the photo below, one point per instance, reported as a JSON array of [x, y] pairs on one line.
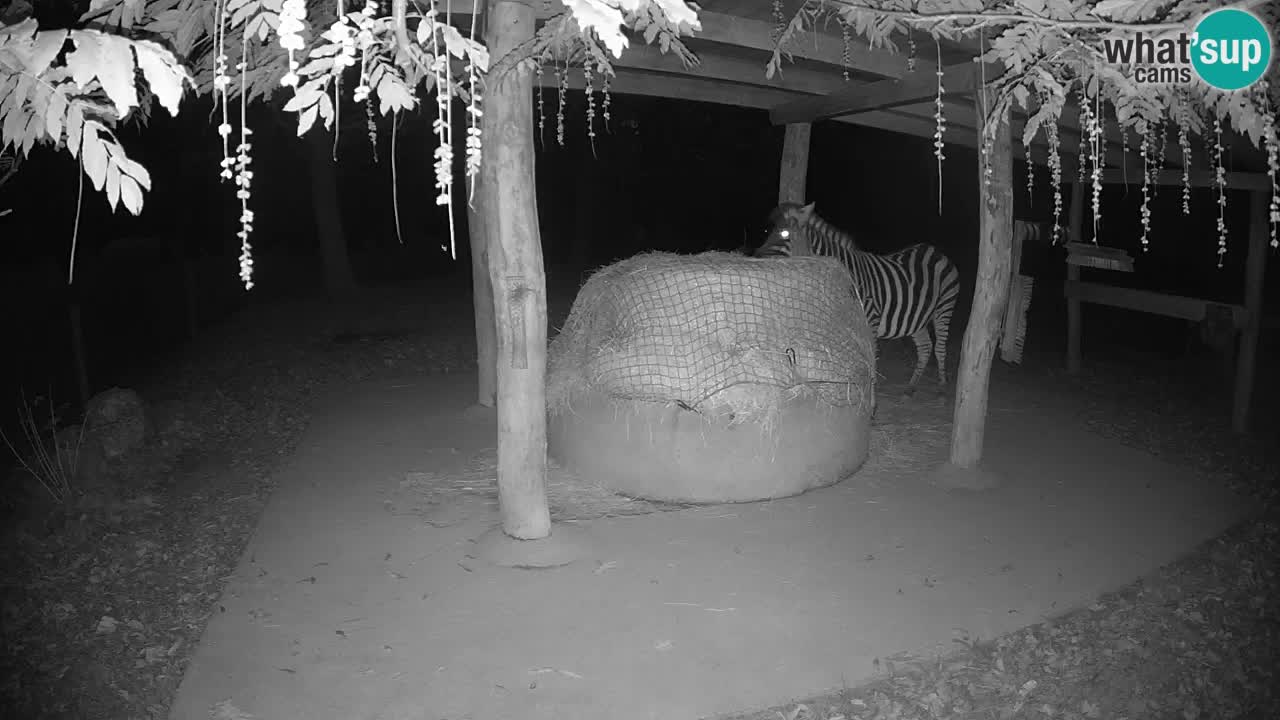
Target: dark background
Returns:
[[665, 175]]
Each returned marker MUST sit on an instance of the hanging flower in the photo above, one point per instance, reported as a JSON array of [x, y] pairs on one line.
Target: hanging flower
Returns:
[[293, 14]]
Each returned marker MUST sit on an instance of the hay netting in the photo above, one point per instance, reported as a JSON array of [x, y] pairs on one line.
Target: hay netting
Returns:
[[716, 332]]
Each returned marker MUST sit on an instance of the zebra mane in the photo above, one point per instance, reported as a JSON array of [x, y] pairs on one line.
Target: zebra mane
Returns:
[[821, 226], [780, 213]]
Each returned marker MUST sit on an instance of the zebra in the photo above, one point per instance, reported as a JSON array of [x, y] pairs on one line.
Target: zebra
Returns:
[[903, 292]]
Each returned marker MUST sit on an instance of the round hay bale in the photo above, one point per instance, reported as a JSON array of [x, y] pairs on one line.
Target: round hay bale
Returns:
[[664, 452], [713, 378]]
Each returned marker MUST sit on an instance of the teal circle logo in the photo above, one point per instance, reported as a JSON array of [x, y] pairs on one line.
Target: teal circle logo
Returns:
[[1232, 49]]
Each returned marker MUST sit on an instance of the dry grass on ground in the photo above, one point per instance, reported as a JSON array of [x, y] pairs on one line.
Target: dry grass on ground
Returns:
[[103, 603]]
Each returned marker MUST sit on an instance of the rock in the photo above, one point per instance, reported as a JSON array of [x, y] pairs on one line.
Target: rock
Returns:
[[116, 420]]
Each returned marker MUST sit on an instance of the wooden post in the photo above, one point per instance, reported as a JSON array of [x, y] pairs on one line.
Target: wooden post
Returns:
[[516, 272], [482, 297], [1075, 233], [995, 242], [1255, 269], [795, 163]]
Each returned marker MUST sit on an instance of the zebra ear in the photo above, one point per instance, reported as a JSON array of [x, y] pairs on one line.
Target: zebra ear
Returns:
[[807, 210]]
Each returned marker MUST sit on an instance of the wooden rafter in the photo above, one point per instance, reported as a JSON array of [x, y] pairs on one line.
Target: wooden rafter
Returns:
[[910, 89], [1199, 178], [727, 29]]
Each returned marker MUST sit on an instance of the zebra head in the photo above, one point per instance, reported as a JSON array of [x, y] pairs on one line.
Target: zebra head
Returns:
[[788, 223]]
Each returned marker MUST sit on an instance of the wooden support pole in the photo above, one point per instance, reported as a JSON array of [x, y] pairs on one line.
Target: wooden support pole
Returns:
[[1255, 269], [794, 172], [482, 298], [516, 273], [995, 242], [1075, 231]]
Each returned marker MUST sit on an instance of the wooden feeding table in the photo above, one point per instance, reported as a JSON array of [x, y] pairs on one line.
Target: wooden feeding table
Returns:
[[1244, 318]]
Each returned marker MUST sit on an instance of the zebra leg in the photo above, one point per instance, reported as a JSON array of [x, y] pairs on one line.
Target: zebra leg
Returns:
[[940, 331], [923, 348]]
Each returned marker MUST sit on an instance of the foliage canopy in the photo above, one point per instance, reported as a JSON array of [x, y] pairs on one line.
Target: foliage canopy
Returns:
[[71, 87]]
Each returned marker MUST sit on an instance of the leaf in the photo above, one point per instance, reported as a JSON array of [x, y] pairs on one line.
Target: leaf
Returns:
[[113, 186], [13, 124], [307, 119], [30, 132], [115, 73], [326, 110], [14, 35], [262, 24], [316, 66], [1130, 11], [650, 33], [453, 41], [83, 62], [18, 96], [75, 127], [243, 12], [164, 75], [44, 49], [94, 154], [304, 97], [393, 94], [132, 184], [55, 114]]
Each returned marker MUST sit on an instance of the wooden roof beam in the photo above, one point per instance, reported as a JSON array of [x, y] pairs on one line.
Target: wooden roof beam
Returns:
[[651, 84], [715, 66], [816, 46], [910, 89], [1199, 178], [757, 35]]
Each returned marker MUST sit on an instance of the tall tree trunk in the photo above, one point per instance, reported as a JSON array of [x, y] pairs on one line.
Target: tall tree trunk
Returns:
[[995, 244], [338, 277], [482, 296], [517, 275]]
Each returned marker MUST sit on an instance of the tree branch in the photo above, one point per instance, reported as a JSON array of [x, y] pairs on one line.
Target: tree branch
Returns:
[[980, 17]]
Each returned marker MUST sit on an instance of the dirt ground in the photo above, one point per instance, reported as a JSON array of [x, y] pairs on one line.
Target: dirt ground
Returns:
[[104, 603]]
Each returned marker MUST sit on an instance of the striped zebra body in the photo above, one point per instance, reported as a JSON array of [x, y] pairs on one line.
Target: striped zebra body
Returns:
[[904, 292]]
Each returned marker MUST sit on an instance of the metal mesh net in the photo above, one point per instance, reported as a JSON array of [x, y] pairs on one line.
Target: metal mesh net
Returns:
[[715, 332]]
